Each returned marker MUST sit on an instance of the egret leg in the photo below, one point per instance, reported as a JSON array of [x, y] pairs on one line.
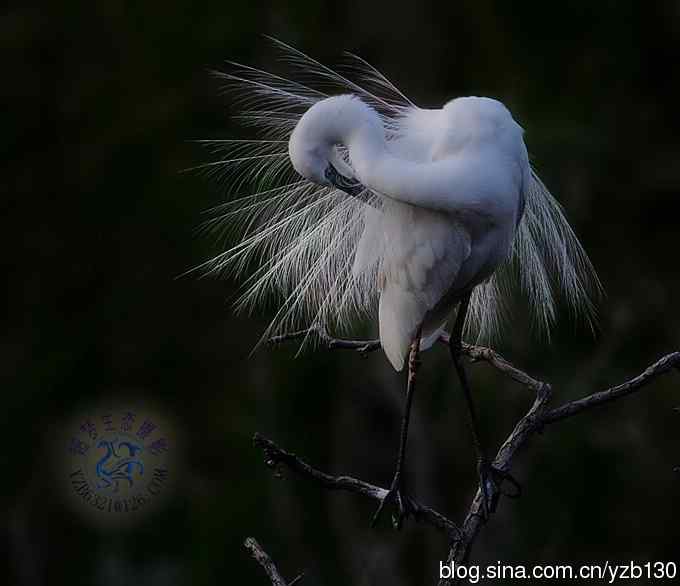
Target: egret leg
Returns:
[[491, 479], [395, 493]]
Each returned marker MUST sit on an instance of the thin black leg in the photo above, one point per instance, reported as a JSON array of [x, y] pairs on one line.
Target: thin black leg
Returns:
[[490, 478], [455, 346], [394, 492]]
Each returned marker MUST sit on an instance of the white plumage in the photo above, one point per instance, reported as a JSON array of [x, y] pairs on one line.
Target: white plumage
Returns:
[[451, 205]]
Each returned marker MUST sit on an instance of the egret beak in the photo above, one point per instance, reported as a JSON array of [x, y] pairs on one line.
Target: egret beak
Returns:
[[353, 188]]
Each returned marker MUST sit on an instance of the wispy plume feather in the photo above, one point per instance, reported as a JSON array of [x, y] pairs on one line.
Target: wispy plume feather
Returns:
[[296, 242]]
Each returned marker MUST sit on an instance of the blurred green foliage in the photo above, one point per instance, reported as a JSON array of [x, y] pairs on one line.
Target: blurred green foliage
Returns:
[[100, 101]]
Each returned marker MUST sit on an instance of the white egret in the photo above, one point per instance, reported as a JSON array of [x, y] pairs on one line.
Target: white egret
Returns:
[[409, 211]]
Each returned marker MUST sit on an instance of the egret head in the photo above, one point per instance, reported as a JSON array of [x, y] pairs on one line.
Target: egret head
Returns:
[[310, 157], [313, 143]]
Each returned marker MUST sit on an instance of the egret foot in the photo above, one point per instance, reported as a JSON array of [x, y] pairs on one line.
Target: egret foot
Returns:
[[491, 480], [402, 504]]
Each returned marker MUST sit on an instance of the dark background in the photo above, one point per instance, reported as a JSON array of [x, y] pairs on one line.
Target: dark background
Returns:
[[101, 99]]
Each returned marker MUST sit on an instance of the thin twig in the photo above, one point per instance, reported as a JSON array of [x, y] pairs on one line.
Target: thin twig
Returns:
[[274, 456], [661, 366], [478, 353], [473, 352], [262, 558], [361, 346]]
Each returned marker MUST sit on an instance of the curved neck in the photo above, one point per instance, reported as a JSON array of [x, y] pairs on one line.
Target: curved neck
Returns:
[[339, 120], [449, 185], [348, 121]]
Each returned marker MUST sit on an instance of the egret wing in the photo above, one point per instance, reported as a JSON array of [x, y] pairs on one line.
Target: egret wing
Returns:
[[420, 253]]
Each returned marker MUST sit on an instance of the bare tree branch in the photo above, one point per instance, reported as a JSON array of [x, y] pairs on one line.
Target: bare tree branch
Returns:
[[262, 558], [477, 353], [274, 456], [538, 416], [661, 366], [473, 352], [534, 421], [361, 346], [474, 520]]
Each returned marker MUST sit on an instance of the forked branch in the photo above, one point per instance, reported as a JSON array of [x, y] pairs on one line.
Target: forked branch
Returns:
[[534, 421], [274, 456], [537, 417]]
